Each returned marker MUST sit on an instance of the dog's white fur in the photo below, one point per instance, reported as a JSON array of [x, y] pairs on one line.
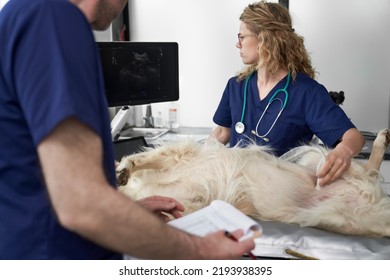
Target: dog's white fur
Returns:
[[264, 186]]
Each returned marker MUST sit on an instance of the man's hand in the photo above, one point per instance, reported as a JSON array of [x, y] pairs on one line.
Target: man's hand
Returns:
[[161, 206], [220, 246]]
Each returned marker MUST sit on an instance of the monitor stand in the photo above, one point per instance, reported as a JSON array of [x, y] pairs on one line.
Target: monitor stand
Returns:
[[119, 121]]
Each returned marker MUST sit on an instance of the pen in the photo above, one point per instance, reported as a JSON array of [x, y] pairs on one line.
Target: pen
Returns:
[[232, 237], [298, 255]]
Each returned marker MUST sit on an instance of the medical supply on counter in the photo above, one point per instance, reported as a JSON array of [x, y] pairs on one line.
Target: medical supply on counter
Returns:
[[173, 118], [158, 120]]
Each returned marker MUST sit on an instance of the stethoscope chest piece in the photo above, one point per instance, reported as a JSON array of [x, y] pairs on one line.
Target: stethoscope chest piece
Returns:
[[239, 127]]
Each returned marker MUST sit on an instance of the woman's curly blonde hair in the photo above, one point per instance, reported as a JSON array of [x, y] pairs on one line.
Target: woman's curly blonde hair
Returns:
[[279, 45]]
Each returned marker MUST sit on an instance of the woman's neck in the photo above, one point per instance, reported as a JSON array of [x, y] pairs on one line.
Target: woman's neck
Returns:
[[267, 81], [265, 77]]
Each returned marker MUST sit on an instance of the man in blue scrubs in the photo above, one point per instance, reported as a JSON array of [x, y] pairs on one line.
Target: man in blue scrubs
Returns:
[[279, 69], [57, 179]]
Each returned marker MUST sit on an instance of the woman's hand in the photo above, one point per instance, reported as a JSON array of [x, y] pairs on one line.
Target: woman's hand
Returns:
[[339, 159], [336, 163]]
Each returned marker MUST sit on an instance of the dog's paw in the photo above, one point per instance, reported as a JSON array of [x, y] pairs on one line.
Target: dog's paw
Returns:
[[383, 138], [122, 177]]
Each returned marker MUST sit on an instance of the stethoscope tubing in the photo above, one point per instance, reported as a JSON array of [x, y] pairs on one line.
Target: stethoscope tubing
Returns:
[[245, 95], [240, 127]]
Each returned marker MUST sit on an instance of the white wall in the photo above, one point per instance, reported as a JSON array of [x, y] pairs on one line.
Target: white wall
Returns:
[[348, 40], [206, 31]]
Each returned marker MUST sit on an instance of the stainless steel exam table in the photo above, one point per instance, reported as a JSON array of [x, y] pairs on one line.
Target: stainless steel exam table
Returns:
[[287, 241]]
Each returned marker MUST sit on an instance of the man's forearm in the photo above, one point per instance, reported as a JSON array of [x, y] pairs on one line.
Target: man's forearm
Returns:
[[122, 225]]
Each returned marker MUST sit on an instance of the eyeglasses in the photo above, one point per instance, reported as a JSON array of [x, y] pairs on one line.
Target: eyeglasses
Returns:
[[241, 37]]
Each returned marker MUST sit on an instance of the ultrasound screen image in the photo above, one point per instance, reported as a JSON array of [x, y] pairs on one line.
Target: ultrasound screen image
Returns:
[[139, 73]]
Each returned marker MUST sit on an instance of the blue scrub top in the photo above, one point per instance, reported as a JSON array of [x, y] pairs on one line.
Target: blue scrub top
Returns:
[[49, 71], [309, 110]]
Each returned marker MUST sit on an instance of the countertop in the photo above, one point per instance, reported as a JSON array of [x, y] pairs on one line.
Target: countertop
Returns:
[[181, 134], [202, 133]]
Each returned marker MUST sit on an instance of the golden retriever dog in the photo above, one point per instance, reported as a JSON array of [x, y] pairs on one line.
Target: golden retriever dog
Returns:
[[264, 186]]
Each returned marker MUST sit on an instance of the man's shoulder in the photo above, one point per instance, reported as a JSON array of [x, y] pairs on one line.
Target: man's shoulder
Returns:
[[27, 5]]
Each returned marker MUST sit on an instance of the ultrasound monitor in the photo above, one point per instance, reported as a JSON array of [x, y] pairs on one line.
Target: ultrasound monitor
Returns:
[[138, 73]]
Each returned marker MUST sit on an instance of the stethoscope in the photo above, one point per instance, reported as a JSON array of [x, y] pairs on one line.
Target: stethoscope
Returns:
[[240, 127]]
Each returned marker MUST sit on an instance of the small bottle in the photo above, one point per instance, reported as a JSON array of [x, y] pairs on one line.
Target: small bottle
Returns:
[[158, 120], [173, 118]]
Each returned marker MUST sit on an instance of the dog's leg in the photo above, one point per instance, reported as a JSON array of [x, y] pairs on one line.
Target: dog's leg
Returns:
[[378, 150], [161, 158], [164, 157]]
